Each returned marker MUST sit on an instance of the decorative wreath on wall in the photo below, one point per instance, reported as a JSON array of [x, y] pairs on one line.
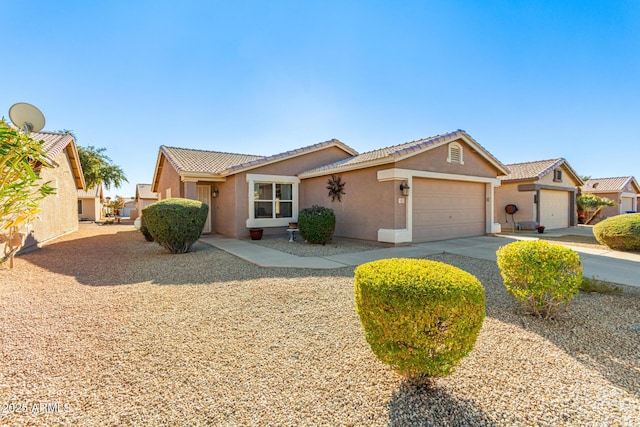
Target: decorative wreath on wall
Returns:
[[336, 187]]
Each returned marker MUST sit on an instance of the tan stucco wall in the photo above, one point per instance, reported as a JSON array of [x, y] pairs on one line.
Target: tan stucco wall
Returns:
[[508, 194], [91, 209], [435, 160], [59, 214], [366, 206], [169, 178]]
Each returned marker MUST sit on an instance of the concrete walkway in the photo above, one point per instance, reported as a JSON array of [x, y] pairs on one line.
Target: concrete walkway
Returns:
[[607, 265]]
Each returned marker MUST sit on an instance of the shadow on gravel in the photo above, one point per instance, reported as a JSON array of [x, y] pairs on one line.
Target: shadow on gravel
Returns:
[[428, 405], [598, 330], [124, 258]]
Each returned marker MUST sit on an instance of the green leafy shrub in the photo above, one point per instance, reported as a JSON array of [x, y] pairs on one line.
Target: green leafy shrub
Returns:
[[317, 224], [596, 286], [420, 317], [145, 231], [544, 277], [176, 223], [620, 232]]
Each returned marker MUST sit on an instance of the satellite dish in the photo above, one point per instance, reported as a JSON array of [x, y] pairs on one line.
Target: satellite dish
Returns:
[[26, 117]]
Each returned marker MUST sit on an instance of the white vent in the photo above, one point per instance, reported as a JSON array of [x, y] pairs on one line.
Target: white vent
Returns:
[[455, 153]]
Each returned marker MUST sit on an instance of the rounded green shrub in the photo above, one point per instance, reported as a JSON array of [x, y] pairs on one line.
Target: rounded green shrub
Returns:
[[317, 224], [620, 232], [420, 317], [176, 223], [542, 276], [145, 231]]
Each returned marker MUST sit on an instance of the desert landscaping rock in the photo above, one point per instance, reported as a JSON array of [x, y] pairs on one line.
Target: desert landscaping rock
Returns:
[[104, 328]]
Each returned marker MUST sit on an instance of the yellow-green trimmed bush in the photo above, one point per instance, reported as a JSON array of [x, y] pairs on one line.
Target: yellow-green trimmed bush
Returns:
[[620, 232], [420, 317], [542, 276]]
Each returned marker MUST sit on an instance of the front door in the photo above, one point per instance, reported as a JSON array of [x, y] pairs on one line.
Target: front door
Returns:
[[203, 194]]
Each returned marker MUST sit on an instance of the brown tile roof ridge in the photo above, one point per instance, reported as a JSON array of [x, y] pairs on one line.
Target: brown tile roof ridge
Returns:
[[144, 191], [54, 142], [403, 149], [291, 153], [199, 160], [608, 184], [531, 170]]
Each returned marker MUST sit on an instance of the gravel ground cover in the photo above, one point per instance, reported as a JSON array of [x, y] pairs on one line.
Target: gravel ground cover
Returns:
[[102, 328], [300, 247]]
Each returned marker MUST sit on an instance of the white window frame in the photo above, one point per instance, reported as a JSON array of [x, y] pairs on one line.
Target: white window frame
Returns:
[[253, 178], [453, 146]]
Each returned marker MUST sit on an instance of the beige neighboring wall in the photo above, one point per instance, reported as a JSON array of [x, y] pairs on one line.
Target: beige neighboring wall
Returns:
[[59, 213]]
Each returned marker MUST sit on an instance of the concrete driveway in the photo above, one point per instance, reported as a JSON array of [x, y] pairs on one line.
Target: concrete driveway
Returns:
[[604, 264]]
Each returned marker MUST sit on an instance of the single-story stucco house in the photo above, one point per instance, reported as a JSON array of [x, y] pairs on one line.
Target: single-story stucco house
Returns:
[[59, 212], [90, 204], [144, 197], [430, 189], [544, 193], [624, 191]]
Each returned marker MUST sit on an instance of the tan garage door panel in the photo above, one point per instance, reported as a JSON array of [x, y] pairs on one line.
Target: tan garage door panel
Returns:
[[554, 209], [627, 204], [447, 209]]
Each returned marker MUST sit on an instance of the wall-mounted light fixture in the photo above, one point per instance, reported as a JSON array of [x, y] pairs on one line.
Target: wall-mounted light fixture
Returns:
[[215, 192], [404, 187]]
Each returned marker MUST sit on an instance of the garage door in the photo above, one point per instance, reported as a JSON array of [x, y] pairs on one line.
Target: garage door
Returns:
[[554, 209], [447, 209], [626, 205]]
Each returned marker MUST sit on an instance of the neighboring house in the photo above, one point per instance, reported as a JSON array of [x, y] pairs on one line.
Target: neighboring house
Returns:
[[544, 192], [622, 190], [59, 212], [90, 204], [128, 209], [144, 197], [449, 179]]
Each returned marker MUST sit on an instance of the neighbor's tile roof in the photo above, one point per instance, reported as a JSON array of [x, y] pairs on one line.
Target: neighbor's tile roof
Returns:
[[531, 170], [395, 151], [54, 142], [90, 192], [192, 160], [143, 191], [608, 185]]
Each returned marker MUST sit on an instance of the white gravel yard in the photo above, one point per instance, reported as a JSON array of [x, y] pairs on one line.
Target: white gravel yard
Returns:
[[103, 328]]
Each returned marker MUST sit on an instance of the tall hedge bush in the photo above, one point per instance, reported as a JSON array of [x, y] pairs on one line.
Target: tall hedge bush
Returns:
[[175, 223], [543, 277], [316, 224], [620, 232], [420, 317]]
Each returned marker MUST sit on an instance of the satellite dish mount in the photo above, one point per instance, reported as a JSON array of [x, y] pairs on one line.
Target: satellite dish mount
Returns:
[[26, 117]]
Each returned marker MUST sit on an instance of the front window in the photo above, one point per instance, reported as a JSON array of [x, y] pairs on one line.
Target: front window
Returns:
[[272, 200]]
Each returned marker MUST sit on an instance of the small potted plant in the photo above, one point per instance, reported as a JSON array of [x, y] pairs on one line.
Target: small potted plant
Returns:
[[540, 228], [255, 233]]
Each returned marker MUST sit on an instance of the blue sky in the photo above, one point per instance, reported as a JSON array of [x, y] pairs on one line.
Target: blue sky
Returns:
[[529, 80]]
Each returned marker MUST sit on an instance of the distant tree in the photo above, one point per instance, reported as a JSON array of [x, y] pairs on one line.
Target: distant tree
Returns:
[[98, 168], [21, 188]]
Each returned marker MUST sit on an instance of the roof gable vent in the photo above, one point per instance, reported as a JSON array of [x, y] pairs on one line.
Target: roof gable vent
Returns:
[[455, 153]]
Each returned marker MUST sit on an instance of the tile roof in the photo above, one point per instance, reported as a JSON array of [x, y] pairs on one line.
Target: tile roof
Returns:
[[204, 161], [396, 152], [90, 192], [528, 171], [610, 185], [292, 153], [143, 191], [54, 142]]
